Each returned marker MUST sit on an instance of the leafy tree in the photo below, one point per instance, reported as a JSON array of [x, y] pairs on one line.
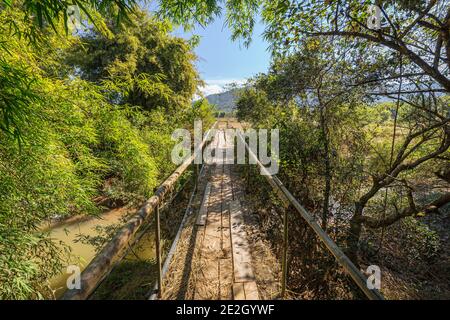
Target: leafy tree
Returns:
[[415, 29], [30, 20], [352, 146], [141, 65]]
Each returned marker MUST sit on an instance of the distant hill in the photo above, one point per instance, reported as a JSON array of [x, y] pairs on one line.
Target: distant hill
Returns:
[[225, 101]]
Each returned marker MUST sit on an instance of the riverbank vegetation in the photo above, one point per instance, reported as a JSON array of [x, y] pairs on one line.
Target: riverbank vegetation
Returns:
[[365, 140], [86, 122]]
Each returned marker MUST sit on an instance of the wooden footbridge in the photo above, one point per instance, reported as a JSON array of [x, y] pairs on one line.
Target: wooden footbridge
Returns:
[[218, 263]]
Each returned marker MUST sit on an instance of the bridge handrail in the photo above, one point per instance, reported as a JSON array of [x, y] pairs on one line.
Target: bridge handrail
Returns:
[[288, 198]]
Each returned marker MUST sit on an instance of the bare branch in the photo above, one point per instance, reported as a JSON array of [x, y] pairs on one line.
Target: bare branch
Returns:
[[375, 222], [429, 70], [421, 15]]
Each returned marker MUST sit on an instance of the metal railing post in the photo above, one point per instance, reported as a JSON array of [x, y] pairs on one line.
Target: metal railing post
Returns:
[[158, 250], [285, 252]]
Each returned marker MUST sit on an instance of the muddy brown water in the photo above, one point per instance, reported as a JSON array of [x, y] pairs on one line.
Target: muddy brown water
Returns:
[[139, 260], [81, 253]]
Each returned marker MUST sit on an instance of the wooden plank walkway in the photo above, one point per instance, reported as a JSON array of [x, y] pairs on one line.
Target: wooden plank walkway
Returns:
[[214, 257], [202, 214], [225, 261]]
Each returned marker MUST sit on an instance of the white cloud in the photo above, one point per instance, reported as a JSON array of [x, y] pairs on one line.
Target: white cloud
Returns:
[[214, 86], [211, 89]]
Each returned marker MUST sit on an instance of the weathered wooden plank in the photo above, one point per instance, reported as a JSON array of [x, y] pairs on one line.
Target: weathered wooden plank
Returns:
[[226, 278], [243, 272], [209, 278], [208, 282], [238, 291], [227, 190], [240, 249], [251, 291], [240, 254], [226, 236], [227, 197], [213, 234], [203, 212]]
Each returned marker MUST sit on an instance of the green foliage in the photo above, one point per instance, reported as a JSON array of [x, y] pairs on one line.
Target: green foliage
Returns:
[[417, 241], [188, 12], [328, 132], [291, 23], [141, 64], [252, 105], [48, 13], [201, 110], [71, 145], [15, 97], [82, 139]]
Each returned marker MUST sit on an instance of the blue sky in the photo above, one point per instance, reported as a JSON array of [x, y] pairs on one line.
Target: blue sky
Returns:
[[222, 61]]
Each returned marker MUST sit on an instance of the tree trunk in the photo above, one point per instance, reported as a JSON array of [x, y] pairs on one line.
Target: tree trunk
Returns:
[[354, 234], [327, 190]]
